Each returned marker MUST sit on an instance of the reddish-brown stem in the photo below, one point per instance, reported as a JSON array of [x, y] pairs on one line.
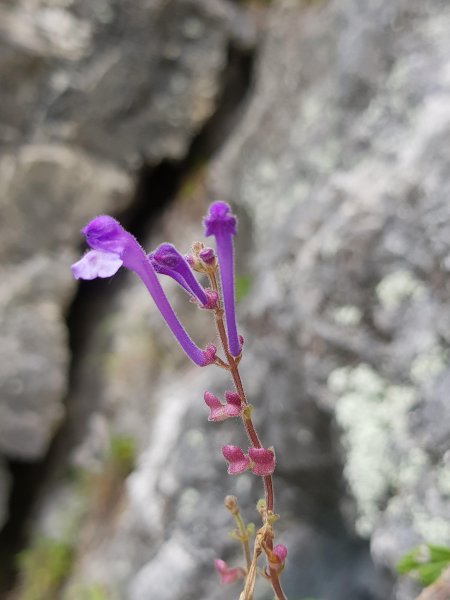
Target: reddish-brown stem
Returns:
[[248, 423]]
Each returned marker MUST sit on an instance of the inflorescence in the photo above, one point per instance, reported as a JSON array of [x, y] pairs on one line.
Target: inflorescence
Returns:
[[113, 247]]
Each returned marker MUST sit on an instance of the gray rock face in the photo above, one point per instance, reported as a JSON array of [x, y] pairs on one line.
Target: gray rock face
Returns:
[[123, 80], [89, 92], [43, 207], [339, 171], [344, 187]]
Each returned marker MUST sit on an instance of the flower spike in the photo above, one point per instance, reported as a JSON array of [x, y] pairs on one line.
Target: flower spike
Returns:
[[167, 260], [112, 246], [220, 223]]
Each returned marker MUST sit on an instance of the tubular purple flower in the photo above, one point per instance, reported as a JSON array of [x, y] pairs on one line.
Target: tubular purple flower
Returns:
[[168, 261], [112, 246], [169, 272], [220, 223]]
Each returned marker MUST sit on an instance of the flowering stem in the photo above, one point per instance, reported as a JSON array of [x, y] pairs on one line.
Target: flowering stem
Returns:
[[248, 423]]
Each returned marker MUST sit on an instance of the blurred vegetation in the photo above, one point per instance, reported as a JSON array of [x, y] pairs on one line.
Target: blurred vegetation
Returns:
[[122, 454], [89, 592], [47, 563], [243, 283], [44, 568], [425, 562]]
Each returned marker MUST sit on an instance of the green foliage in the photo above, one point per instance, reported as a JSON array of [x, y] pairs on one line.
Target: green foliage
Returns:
[[243, 283], [44, 568], [94, 592], [122, 454], [426, 562]]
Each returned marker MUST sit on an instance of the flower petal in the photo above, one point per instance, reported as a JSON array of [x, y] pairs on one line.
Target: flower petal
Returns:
[[216, 408], [227, 575], [219, 219], [238, 462], [263, 461], [280, 552], [107, 234], [96, 263], [173, 264], [220, 223]]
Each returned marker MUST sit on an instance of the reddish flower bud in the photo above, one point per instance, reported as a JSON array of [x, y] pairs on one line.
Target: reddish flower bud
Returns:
[[189, 259], [263, 461], [238, 462], [227, 575], [209, 355], [234, 401], [207, 255], [277, 557], [280, 552], [212, 298], [219, 411]]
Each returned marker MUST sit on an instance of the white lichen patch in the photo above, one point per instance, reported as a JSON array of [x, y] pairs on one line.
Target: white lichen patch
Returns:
[[443, 481], [397, 287], [347, 315], [435, 530], [373, 416], [428, 365]]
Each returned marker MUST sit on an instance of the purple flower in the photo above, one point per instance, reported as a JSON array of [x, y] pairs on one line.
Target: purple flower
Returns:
[[220, 223], [96, 264], [113, 247], [167, 260]]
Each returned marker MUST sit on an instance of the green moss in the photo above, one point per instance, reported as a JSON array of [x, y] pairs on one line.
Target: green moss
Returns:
[[44, 568]]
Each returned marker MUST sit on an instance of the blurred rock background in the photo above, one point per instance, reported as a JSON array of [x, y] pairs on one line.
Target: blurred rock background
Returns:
[[326, 124]]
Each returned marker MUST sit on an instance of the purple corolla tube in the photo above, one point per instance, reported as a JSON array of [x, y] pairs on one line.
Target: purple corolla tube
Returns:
[[112, 246], [220, 223]]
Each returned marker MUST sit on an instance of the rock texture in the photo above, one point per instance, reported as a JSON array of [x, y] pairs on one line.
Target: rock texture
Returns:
[[347, 188], [339, 171], [91, 91]]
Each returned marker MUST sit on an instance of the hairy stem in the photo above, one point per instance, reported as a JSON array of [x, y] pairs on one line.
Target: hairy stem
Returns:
[[248, 423]]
